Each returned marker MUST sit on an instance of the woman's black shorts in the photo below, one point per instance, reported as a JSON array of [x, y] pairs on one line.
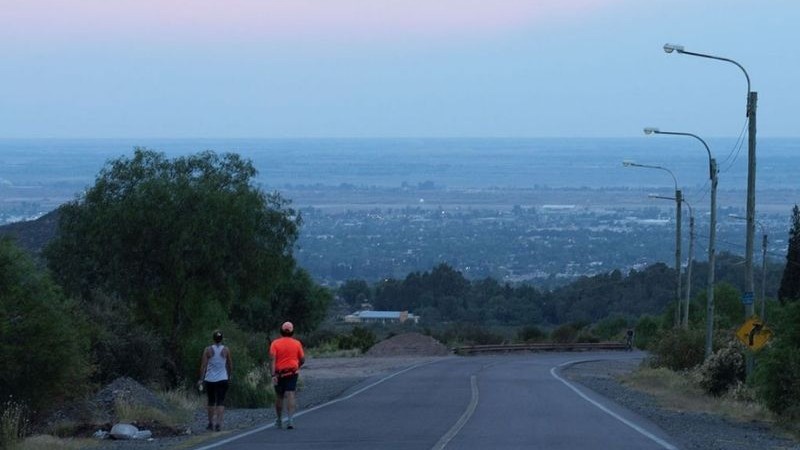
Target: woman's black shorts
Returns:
[[216, 392]]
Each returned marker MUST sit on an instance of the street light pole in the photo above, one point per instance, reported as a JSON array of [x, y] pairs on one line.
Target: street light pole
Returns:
[[678, 197], [752, 101], [712, 235], [689, 263]]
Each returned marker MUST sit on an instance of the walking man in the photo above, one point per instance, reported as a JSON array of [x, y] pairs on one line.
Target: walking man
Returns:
[[286, 358]]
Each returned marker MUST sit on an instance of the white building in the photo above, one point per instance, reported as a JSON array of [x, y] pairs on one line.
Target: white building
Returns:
[[381, 317]]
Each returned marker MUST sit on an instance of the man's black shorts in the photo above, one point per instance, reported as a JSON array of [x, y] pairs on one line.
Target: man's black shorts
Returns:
[[286, 384]]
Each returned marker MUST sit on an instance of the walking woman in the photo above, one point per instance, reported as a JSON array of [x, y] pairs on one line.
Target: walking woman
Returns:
[[216, 367]]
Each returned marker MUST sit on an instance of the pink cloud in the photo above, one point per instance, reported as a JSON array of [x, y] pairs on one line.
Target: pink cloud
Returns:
[[245, 20]]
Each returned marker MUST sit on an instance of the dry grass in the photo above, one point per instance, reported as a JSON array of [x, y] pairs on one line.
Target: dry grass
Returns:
[[679, 391], [182, 405]]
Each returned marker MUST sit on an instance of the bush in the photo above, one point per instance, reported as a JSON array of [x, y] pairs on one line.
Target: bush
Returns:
[[679, 349], [586, 336], [646, 332], [359, 337], [531, 333], [777, 374], [119, 345], [564, 333], [610, 327], [723, 370]]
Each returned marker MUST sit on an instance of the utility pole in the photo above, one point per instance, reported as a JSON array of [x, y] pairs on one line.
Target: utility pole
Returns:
[[678, 290], [685, 320], [752, 101], [764, 277]]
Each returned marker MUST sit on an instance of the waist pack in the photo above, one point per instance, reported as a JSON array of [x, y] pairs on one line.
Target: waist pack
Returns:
[[287, 372]]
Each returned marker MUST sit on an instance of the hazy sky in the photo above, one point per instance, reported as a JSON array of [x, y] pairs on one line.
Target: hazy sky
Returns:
[[386, 68]]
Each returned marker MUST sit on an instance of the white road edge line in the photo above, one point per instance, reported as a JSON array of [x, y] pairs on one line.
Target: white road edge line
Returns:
[[627, 422], [473, 404], [332, 402]]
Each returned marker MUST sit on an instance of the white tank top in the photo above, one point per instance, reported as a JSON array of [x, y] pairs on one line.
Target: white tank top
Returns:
[[215, 370]]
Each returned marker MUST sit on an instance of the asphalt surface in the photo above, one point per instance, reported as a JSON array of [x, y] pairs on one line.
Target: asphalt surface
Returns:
[[483, 402]]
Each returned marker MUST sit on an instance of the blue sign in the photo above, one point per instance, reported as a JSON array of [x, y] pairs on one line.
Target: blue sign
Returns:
[[747, 298]]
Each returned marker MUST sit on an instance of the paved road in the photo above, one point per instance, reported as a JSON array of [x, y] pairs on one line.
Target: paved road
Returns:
[[483, 402]]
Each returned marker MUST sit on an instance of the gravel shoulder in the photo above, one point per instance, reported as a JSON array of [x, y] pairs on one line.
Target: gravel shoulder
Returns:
[[688, 429]]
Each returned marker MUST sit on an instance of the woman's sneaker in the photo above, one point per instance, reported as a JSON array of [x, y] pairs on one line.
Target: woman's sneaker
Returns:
[[278, 423], [290, 425]]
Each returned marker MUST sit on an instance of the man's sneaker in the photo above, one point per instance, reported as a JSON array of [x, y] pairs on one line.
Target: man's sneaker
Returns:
[[290, 425], [278, 423], [209, 427], [217, 427]]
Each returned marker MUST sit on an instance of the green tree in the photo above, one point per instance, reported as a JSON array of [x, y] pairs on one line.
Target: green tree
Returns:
[[790, 283], [43, 342], [355, 292], [778, 372], [181, 241]]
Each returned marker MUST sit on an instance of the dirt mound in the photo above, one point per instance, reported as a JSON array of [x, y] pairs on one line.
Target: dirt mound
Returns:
[[409, 344]]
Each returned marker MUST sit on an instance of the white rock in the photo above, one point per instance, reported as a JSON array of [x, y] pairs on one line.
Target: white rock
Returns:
[[123, 431]]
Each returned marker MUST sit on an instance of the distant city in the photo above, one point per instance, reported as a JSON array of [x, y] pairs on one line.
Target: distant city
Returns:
[[538, 211]]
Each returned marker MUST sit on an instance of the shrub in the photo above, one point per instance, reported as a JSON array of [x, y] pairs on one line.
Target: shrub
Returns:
[[564, 333], [777, 374], [679, 349], [531, 333], [646, 332], [359, 337], [585, 336], [119, 345], [610, 327], [723, 370]]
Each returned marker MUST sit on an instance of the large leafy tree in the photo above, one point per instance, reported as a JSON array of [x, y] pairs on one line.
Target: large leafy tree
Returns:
[[180, 241], [790, 283]]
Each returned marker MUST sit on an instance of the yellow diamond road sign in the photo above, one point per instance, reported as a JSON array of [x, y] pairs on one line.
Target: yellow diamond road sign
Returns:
[[754, 334]]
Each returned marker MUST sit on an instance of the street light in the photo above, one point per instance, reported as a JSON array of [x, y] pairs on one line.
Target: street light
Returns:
[[712, 233], [690, 261], [677, 233], [764, 242], [752, 101]]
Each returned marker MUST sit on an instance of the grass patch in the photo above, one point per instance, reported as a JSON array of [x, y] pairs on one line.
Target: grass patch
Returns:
[[680, 391], [14, 424], [136, 413]]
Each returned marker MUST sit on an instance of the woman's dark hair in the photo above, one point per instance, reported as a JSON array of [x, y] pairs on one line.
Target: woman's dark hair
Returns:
[[217, 336]]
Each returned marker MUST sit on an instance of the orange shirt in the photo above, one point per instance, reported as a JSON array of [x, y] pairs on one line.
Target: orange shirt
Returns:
[[286, 352]]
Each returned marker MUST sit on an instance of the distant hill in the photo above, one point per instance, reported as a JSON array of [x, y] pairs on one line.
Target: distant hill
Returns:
[[33, 235]]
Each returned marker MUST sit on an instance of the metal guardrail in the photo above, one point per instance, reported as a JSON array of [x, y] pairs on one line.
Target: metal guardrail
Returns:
[[540, 347]]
